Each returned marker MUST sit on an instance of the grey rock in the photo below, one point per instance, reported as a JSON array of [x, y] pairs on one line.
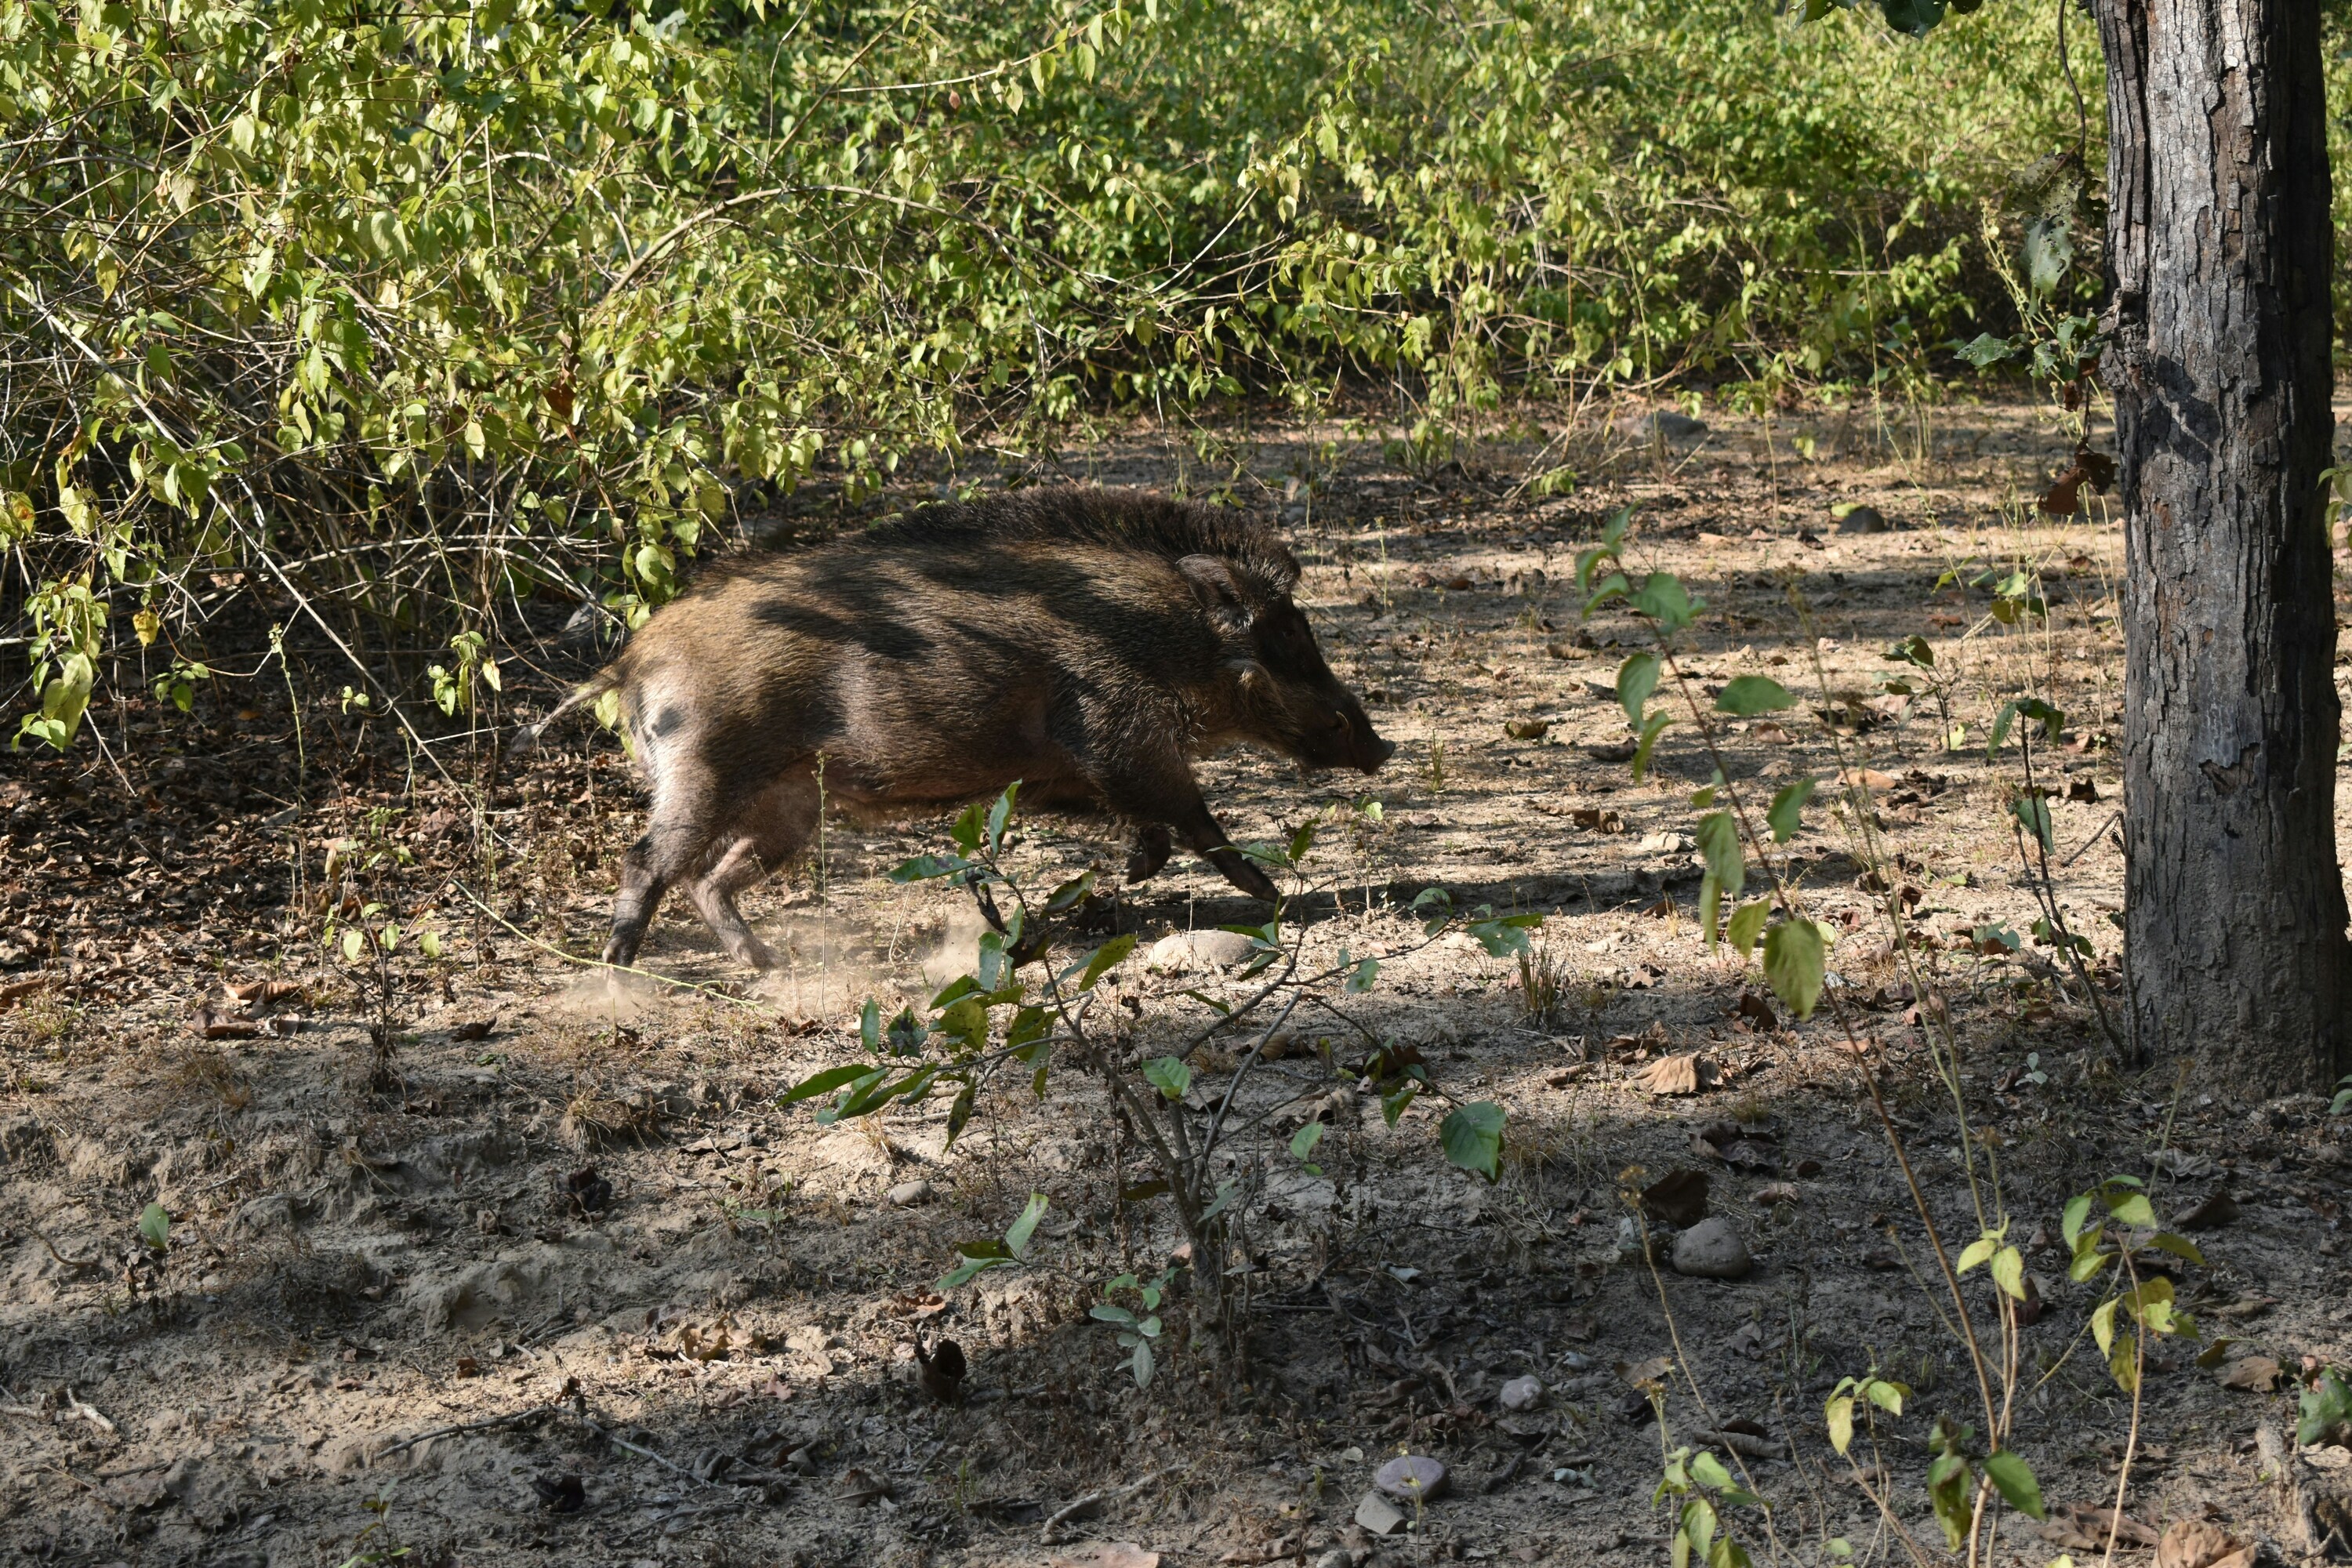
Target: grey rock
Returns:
[[1411, 1476], [1522, 1394], [1651, 424], [1712, 1250], [1201, 948], [1377, 1515], [907, 1195], [1862, 519]]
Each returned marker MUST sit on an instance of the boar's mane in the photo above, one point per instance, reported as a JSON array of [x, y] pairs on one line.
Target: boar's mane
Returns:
[[1090, 514]]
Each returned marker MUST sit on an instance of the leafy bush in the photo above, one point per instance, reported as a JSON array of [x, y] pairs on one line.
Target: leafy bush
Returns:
[[418, 312]]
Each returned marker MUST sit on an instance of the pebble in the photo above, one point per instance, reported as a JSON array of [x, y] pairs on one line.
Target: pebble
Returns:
[[1377, 1515], [907, 1195], [1192, 949], [1521, 1394], [1711, 1249], [1411, 1476], [1666, 422]]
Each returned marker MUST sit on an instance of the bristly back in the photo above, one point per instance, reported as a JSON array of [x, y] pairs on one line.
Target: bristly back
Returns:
[[1093, 515]]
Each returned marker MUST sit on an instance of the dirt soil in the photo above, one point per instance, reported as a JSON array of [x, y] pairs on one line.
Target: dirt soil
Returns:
[[485, 1258]]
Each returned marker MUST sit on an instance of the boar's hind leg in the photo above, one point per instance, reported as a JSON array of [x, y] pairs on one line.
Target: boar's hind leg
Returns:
[[740, 867], [642, 886], [773, 831]]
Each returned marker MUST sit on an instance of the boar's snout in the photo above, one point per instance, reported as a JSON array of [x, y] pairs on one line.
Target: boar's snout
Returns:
[[1345, 737]]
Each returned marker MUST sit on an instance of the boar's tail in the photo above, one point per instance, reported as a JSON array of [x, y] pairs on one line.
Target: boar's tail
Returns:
[[527, 737]]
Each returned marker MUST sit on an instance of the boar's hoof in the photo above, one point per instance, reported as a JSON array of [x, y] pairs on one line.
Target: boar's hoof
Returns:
[[1148, 853], [1243, 873]]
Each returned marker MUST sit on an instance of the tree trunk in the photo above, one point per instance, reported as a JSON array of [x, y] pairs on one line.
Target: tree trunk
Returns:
[[2218, 243]]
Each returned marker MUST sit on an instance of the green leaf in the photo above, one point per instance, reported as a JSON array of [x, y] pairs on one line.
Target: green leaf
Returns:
[[1751, 694], [2102, 1323], [1840, 1414], [155, 1227], [929, 868], [1303, 1142], [1974, 1253], [1795, 965], [2009, 1272], [826, 1083], [1000, 814], [1361, 976], [1746, 925], [2134, 1210], [1913, 649], [1708, 1471], [1636, 679], [1651, 729], [1985, 351], [2014, 1477], [1505, 935], [1169, 1076], [1726, 867], [2049, 246], [1108, 954], [1472, 1137], [2078, 1209], [1663, 598], [1016, 1240], [1786, 814], [2325, 1409], [2032, 813]]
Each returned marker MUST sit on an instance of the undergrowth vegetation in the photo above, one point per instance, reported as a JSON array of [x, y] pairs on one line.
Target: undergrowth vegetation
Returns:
[[415, 316]]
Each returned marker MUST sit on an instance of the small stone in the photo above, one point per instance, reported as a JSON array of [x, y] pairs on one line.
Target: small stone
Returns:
[[1336, 1558], [1377, 1515], [1411, 1476], [907, 1195], [1651, 424], [212, 1285], [1198, 948], [1521, 1394], [1862, 519], [1711, 1249]]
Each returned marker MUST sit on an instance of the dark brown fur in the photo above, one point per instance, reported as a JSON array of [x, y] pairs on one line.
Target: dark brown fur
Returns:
[[1088, 643]]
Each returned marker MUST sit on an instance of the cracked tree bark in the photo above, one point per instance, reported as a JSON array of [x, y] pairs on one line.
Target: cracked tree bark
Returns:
[[2219, 246]]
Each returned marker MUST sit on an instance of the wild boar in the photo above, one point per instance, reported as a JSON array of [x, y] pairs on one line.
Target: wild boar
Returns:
[[1089, 642]]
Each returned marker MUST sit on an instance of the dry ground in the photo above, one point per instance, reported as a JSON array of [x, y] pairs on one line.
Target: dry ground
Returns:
[[385, 1322]]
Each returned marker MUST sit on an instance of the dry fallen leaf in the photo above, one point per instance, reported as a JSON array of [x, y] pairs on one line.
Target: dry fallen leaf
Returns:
[[1678, 1199], [1686, 1073], [225, 1023], [1866, 778], [2258, 1374], [1642, 1375], [1773, 1193], [1527, 729], [2193, 1544]]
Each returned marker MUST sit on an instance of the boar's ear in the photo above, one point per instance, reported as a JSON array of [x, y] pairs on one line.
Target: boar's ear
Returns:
[[1218, 587]]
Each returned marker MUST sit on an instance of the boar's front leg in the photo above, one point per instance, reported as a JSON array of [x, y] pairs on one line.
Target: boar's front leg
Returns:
[[1148, 852], [1163, 791]]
